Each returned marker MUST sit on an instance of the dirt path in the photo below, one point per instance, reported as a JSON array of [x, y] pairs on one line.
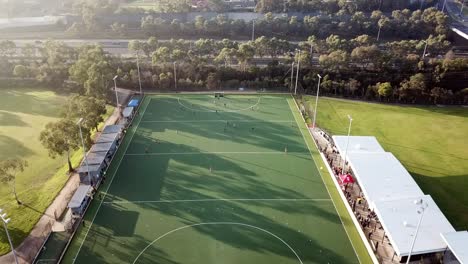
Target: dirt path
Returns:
[[33, 243]]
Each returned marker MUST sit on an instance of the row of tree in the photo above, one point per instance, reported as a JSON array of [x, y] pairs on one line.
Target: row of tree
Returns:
[[400, 24], [89, 70]]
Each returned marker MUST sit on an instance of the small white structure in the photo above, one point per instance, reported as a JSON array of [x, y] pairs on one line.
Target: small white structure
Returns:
[[400, 218], [80, 199], [458, 245], [362, 144]]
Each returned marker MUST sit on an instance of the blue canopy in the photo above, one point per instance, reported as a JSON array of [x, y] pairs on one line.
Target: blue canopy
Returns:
[[133, 103]]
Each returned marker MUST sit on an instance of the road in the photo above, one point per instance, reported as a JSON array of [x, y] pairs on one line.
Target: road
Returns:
[[113, 46]]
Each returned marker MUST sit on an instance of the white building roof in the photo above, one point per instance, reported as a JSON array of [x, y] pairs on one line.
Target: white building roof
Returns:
[[127, 112], [382, 177], [79, 196], [357, 144], [458, 244], [400, 219]]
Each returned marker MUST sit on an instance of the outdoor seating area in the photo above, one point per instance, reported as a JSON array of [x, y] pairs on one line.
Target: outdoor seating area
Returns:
[[385, 200]]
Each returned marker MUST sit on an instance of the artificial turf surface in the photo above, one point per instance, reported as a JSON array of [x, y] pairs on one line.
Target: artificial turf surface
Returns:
[[195, 181], [431, 142]]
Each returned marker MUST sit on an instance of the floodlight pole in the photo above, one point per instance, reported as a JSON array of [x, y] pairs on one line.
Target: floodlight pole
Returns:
[[84, 150], [138, 68], [425, 49], [5, 225], [443, 6], [316, 100], [115, 89], [378, 34], [423, 209], [297, 73], [292, 76], [175, 76], [253, 30], [420, 7], [347, 144]]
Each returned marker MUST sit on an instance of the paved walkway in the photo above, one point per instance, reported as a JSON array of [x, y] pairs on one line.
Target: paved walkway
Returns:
[[27, 250]]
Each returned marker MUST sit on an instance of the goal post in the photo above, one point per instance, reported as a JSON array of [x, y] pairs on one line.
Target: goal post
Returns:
[[219, 94]]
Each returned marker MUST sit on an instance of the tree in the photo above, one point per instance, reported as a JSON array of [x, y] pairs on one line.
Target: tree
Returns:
[[245, 53], [89, 108], [264, 6], [413, 88], [7, 48], [212, 81], [60, 137], [9, 169], [92, 70], [384, 89], [161, 55], [20, 71], [335, 60]]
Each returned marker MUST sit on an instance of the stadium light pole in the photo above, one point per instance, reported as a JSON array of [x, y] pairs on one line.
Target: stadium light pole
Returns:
[[5, 221], [292, 76], [425, 49], [378, 34], [115, 89], [84, 150], [421, 6], [297, 73], [138, 68], [423, 207], [347, 144], [443, 6], [175, 76], [316, 100], [253, 29]]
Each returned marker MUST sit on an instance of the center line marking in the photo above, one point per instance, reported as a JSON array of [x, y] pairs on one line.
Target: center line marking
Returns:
[[214, 152], [219, 200]]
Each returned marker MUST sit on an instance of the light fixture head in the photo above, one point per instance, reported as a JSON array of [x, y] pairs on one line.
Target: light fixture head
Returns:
[[115, 77], [319, 76], [79, 121]]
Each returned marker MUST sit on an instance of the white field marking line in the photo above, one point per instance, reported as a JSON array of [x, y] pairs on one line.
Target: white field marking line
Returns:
[[212, 111], [220, 200], [110, 183], [219, 120], [219, 223], [214, 152], [322, 177]]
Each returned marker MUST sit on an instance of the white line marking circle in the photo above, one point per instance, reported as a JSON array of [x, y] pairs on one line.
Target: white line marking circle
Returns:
[[229, 111], [218, 223]]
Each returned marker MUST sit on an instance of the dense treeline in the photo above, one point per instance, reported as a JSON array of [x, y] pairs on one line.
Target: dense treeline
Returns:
[[344, 22], [401, 24], [360, 67]]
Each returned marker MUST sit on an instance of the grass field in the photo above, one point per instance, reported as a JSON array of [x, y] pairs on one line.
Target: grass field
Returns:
[[196, 181], [431, 142], [23, 115]]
